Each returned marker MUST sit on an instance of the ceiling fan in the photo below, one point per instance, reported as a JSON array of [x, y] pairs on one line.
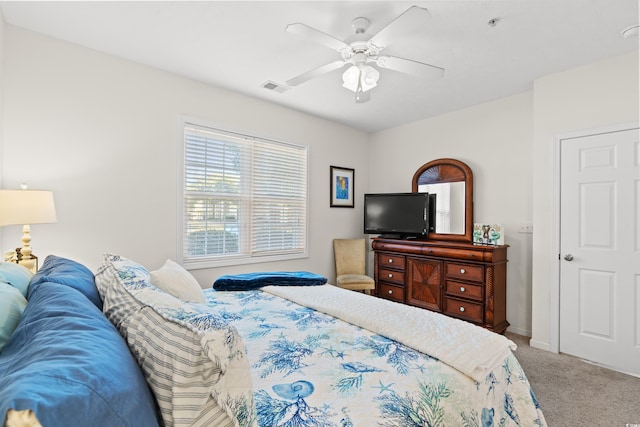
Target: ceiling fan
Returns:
[[361, 77]]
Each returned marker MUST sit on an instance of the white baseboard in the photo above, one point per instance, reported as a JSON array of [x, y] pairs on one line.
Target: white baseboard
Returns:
[[519, 331], [540, 345]]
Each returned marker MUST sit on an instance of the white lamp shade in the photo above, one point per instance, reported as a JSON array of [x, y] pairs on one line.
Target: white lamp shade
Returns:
[[22, 207], [368, 79], [350, 78]]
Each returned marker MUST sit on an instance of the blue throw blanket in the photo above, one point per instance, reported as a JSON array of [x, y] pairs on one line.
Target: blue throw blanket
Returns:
[[248, 281]]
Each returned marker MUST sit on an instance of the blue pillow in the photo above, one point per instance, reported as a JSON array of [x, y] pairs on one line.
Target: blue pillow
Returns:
[[64, 271], [16, 275], [12, 304], [68, 364], [248, 281]]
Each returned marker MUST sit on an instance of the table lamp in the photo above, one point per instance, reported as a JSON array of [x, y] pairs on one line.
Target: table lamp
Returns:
[[26, 207]]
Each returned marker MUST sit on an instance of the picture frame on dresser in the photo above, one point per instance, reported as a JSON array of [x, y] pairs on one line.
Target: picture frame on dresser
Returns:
[[341, 187]]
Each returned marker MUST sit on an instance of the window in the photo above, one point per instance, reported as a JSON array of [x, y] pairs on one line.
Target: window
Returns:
[[244, 198]]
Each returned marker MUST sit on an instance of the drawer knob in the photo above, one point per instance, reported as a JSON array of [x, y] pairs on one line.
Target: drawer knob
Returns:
[[390, 275], [390, 261], [462, 271], [390, 292], [461, 308], [462, 289]]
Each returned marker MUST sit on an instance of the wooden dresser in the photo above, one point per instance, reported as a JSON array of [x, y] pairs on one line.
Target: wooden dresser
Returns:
[[460, 280]]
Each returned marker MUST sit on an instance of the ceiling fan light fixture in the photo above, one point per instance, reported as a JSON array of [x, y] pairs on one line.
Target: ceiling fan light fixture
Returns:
[[365, 76], [350, 78], [370, 77]]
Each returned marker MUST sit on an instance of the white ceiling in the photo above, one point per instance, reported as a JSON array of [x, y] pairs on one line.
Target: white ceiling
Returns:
[[239, 45]]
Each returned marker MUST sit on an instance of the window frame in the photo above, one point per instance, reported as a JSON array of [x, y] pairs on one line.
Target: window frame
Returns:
[[235, 259]]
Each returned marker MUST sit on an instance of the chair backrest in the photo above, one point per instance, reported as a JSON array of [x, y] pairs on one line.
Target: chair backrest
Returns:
[[350, 256]]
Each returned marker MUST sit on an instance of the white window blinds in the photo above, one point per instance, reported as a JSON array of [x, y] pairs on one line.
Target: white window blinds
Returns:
[[244, 197]]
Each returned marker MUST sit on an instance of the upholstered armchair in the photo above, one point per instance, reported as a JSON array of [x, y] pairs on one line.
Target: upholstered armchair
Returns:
[[350, 256]]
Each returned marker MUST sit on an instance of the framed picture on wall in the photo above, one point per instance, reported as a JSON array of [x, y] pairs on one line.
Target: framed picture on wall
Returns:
[[342, 184]]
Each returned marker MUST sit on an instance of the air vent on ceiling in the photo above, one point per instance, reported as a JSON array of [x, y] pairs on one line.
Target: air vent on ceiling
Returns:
[[276, 87]]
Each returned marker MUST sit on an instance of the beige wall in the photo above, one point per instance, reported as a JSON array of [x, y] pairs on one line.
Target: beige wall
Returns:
[[597, 95], [102, 134]]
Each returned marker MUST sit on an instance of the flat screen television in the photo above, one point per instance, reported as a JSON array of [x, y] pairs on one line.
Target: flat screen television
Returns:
[[398, 215]]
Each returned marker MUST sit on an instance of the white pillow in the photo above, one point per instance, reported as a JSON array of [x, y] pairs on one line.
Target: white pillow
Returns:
[[175, 280]]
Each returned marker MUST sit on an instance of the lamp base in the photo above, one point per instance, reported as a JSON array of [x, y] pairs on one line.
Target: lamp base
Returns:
[[30, 263]]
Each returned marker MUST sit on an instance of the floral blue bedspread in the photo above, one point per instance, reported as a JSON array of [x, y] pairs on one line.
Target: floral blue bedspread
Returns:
[[311, 369]]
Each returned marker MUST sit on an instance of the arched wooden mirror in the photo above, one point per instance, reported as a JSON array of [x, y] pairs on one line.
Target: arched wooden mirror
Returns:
[[452, 182]]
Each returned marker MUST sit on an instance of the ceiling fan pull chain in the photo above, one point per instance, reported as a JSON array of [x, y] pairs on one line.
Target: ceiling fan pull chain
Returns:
[[359, 90]]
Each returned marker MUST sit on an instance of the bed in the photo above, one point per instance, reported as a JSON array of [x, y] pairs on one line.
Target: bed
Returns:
[[312, 356], [121, 349]]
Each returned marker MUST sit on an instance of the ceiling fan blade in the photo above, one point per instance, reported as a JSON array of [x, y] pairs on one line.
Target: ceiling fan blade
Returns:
[[317, 36], [406, 22], [315, 72], [408, 66]]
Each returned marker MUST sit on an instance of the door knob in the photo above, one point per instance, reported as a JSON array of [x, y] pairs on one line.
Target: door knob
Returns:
[[568, 257]]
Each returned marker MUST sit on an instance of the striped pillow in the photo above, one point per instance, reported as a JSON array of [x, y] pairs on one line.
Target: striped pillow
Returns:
[[193, 360]]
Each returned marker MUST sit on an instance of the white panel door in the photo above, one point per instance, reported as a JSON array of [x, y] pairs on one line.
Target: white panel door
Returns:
[[600, 249]]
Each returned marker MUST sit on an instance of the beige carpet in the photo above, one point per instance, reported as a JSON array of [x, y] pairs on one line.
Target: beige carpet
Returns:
[[575, 393]]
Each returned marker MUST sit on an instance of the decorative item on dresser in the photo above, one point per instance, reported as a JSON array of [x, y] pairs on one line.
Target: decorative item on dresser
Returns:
[[445, 271]]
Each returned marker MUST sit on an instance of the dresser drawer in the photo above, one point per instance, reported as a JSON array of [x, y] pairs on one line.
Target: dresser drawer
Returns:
[[392, 276], [471, 272], [463, 310], [392, 261], [394, 293], [464, 290]]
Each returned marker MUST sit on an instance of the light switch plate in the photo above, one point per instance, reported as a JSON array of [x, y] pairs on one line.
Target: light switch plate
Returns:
[[525, 227]]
